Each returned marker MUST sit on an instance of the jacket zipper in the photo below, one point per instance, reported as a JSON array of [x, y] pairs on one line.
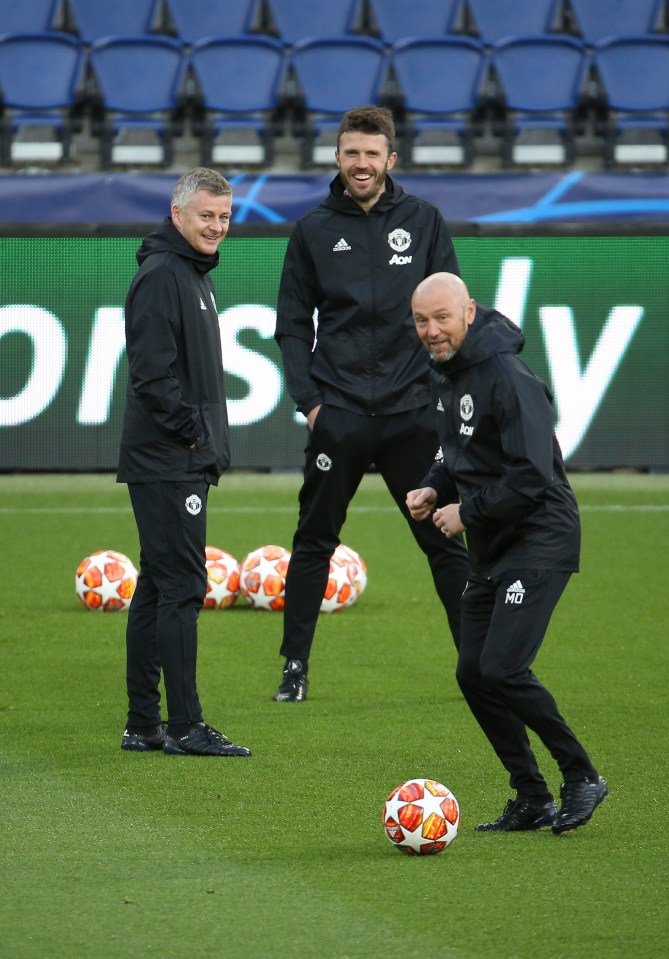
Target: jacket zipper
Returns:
[[372, 370]]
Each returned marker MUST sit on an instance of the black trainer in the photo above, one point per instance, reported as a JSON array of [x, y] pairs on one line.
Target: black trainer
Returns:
[[578, 801], [521, 815], [152, 738], [202, 740], [294, 685]]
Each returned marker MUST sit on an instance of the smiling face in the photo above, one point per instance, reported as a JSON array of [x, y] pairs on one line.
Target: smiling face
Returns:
[[364, 161], [204, 220], [443, 311]]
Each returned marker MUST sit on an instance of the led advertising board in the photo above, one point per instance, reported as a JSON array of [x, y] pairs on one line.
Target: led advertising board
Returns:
[[594, 310]]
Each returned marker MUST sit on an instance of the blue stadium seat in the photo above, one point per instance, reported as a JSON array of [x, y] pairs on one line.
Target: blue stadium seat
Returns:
[[196, 19], [542, 79], [240, 81], [39, 90], [27, 16], [297, 20], [440, 81], [399, 19], [333, 75], [634, 73], [96, 18], [497, 19], [597, 19], [140, 89]]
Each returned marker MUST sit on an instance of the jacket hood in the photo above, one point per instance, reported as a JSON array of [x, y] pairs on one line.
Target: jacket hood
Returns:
[[167, 239], [339, 200], [490, 333]]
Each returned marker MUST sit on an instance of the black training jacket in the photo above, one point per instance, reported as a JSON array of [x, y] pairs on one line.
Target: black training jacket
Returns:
[[495, 422], [176, 394], [359, 270]]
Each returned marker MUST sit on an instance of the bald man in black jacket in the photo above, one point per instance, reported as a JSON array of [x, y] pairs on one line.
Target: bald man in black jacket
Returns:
[[503, 481]]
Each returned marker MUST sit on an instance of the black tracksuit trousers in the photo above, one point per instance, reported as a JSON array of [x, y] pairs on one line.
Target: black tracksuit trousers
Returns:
[[504, 620], [161, 634], [341, 448]]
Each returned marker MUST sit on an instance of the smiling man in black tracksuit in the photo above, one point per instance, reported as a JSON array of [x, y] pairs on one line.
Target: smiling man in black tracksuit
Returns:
[[503, 462], [361, 379], [174, 446]]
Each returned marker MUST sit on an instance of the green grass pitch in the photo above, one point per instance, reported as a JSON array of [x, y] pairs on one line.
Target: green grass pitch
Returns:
[[120, 855]]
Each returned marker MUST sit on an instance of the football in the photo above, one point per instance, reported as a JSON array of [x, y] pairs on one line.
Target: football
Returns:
[[421, 817], [223, 572], [347, 579], [105, 581], [262, 578]]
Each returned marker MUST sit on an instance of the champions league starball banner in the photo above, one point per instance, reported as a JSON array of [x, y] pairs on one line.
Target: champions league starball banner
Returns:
[[528, 198], [593, 305]]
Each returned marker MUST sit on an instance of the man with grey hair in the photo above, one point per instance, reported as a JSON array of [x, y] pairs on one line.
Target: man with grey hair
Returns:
[[174, 446]]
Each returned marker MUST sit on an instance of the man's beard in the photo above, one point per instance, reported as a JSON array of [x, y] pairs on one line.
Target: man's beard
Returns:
[[444, 359]]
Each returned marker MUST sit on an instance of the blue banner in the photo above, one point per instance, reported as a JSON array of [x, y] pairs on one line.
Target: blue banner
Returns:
[[525, 198]]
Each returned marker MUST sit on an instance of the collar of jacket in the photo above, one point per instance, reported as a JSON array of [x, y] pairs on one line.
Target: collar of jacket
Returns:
[[167, 239], [489, 334]]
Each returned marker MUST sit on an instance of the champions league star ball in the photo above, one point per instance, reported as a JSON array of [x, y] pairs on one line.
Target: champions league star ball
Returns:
[[263, 577], [105, 581], [347, 579], [421, 817], [223, 573]]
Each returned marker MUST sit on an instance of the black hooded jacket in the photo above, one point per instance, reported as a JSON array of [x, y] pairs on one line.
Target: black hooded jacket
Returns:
[[495, 422], [359, 270], [176, 396]]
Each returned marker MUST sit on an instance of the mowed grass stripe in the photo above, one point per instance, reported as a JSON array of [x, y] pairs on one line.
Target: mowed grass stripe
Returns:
[[283, 855]]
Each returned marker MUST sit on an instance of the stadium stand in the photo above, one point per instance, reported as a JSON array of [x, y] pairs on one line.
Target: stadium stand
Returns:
[[542, 92], [395, 20], [239, 91], [27, 16], [40, 100], [597, 19], [494, 20], [122, 105], [216, 117], [440, 82], [332, 75], [94, 20], [193, 20], [633, 73], [316, 18]]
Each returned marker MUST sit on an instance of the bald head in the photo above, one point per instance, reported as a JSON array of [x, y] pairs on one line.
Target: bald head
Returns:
[[443, 311], [441, 285]]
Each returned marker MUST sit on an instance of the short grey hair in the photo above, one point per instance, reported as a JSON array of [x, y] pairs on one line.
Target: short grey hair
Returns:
[[201, 178]]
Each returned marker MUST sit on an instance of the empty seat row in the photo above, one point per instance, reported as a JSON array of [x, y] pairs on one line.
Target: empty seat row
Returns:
[[295, 20], [239, 94], [493, 20]]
